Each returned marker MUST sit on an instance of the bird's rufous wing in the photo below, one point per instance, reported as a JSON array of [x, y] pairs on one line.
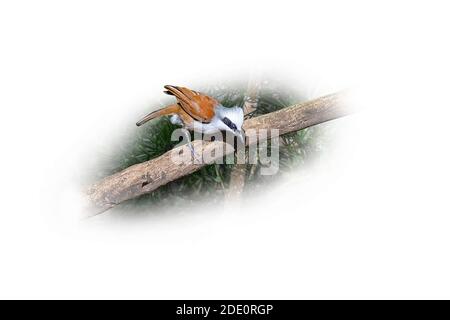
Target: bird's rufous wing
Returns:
[[197, 105]]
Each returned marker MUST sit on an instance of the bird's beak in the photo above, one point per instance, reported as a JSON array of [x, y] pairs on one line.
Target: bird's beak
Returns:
[[241, 135]]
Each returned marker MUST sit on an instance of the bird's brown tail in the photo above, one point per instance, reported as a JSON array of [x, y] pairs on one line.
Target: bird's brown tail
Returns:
[[169, 110]]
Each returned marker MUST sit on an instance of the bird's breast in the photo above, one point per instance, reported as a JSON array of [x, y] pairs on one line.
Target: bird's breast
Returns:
[[205, 128]]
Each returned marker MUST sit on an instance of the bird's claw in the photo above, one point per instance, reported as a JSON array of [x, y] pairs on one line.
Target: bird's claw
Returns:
[[195, 155]]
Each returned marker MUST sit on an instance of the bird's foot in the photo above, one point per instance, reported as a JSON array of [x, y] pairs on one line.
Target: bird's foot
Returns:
[[195, 155]]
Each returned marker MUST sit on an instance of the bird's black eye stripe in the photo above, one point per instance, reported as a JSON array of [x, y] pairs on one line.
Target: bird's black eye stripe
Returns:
[[230, 124]]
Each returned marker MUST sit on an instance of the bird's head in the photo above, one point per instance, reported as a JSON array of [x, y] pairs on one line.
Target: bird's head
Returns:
[[231, 120]]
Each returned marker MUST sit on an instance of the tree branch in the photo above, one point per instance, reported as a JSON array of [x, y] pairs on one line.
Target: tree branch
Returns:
[[145, 177]]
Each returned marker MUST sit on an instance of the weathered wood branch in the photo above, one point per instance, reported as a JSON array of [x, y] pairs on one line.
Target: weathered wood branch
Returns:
[[302, 115], [145, 177]]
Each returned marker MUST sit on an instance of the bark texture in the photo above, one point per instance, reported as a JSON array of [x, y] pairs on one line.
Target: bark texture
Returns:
[[302, 115]]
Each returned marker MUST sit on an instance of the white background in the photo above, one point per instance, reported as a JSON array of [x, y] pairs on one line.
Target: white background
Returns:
[[372, 221]]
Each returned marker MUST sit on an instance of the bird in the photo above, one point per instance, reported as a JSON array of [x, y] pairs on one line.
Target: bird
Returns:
[[195, 111]]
